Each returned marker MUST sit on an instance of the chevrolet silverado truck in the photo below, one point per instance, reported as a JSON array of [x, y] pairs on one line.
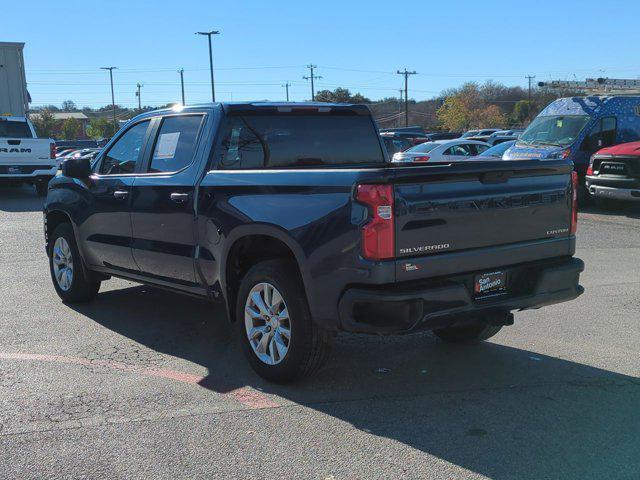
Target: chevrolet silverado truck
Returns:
[[294, 217], [25, 158]]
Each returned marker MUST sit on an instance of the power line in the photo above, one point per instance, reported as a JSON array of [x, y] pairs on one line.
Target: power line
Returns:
[[406, 74], [113, 100], [139, 97], [286, 86], [312, 77], [181, 72]]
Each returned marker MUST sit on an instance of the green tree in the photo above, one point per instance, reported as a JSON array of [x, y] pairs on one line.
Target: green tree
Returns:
[[100, 128], [522, 111], [71, 128], [466, 108], [44, 123], [340, 95], [69, 106]]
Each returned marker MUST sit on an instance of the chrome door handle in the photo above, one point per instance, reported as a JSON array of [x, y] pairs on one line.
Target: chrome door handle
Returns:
[[179, 197], [121, 194]]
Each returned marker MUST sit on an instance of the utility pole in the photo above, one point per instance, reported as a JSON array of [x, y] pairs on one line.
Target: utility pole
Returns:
[[138, 95], [209, 34], [113, 100], [406, 74], [181, 72], [312, 77], [286, 86], [530, 78]]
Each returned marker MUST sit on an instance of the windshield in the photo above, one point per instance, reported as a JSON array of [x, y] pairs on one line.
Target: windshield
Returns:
[[497, 150], [470, 133], [560, 130], [423, 147]]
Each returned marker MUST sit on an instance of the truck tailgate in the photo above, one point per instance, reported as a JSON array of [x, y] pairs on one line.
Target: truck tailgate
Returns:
[[25, 151], [471, 208]]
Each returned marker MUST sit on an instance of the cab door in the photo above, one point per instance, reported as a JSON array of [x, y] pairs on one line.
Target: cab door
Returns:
[[105, 226], [162, 202]]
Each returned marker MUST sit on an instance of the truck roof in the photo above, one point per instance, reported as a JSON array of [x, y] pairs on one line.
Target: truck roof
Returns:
[[593, 105], [237, 108]]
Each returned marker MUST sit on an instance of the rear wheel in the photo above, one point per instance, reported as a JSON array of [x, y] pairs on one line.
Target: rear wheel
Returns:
[[65, 265], [278, 337], [467, 333]]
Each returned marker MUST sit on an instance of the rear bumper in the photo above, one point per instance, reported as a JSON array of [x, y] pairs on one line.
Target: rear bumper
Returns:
[[26, 172], [448, 301]]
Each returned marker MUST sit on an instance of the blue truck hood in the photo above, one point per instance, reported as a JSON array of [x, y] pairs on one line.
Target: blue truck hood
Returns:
[[529, 152]]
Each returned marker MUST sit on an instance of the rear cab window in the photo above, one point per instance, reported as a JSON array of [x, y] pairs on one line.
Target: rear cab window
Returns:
[[14, 129], [298, 141]]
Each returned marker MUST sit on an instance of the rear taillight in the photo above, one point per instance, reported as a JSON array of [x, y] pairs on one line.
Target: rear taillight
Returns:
[[378, 234], [52, 150], [574, 202], [423, 158]]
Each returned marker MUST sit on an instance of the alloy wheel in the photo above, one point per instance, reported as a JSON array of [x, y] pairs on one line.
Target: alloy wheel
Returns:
[[267, 323], [62, 263]]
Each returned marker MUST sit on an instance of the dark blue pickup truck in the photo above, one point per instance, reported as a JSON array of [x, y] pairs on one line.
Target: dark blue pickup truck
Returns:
[[293, 216]]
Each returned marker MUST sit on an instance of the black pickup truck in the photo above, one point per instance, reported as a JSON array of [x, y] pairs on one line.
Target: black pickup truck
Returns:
[[293, 216]]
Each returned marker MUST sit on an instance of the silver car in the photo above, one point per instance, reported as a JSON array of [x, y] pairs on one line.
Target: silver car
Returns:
[[441, 151]]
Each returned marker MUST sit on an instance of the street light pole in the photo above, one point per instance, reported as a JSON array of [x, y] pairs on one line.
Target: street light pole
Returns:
[[113, 101], [181, 72], [286, 86], [209, 34]]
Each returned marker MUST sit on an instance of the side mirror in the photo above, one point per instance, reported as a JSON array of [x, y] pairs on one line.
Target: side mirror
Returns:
[[77, 168]]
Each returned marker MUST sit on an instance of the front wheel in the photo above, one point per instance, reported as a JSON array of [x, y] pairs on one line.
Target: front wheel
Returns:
[[65, 265], [278, 337], [467, 333]]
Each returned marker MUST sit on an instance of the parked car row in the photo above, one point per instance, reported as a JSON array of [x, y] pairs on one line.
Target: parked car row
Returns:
[[599, 134]]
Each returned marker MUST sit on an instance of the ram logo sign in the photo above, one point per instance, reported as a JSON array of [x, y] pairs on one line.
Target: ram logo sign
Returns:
[[15, 150]]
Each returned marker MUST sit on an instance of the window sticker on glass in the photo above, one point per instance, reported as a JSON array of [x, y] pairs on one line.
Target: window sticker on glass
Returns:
[[559, 123], [167, 144]]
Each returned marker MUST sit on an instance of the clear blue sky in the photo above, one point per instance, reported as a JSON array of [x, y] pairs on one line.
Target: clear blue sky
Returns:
[[355, 44]]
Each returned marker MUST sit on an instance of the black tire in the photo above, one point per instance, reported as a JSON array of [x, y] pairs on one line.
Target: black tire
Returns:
[[467, 333], [42, 186], [308, 343], [82, 289]]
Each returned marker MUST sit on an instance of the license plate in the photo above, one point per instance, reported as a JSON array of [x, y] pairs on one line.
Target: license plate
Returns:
[[613, 168], [492, 283]]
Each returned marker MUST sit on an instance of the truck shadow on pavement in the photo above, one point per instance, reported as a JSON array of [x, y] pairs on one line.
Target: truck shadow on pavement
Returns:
[[498, 411], [20, 199]]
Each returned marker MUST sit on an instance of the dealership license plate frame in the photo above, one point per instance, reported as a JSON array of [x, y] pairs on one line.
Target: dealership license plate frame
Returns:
[[498, 281]]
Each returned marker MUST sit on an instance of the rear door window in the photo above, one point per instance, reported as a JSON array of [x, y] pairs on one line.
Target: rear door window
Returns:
[[125, 153], [285, 141], [175, 144]]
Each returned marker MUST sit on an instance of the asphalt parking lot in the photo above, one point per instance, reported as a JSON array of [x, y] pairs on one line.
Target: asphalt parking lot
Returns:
[[148, 384]]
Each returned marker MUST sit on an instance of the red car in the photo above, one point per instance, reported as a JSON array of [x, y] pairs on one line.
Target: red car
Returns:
[[614, 174]]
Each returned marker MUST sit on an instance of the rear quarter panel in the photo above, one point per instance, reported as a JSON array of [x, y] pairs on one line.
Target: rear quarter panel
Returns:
[[311, 211]]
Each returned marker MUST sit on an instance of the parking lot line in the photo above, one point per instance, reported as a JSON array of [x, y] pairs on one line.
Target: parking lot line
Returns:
[[245, 395]]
